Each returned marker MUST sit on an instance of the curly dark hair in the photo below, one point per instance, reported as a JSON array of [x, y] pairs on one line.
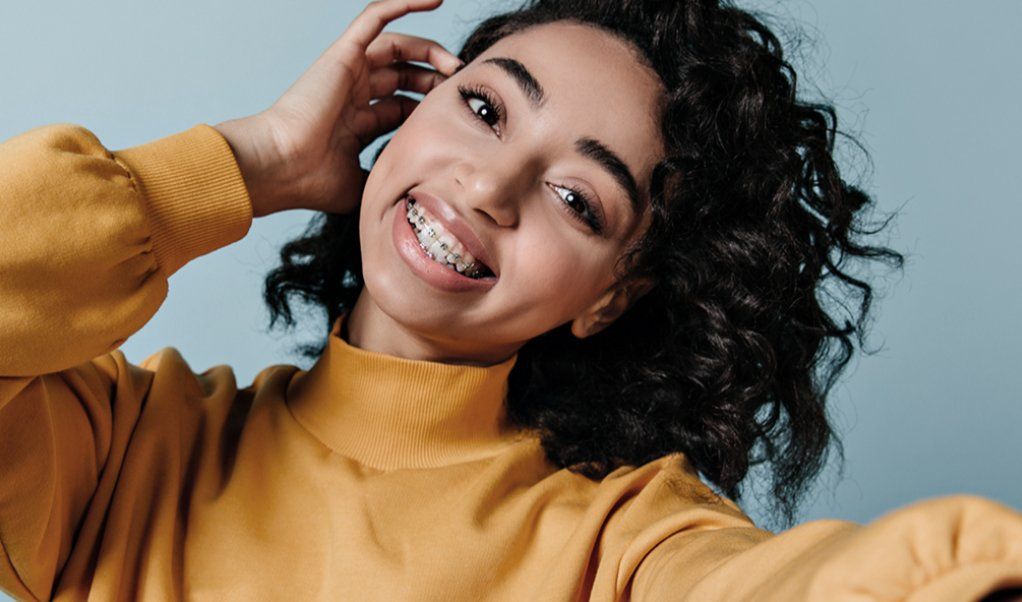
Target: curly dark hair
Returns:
[[730, 357]]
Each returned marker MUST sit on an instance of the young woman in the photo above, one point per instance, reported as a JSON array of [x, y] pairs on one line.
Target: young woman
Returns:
[[580, 276]]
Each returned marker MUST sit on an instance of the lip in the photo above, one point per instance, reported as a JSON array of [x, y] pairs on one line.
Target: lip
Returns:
[[454, 224], [438, 276]]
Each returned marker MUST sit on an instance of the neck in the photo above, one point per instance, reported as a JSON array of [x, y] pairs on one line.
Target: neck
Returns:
[[371, 329]]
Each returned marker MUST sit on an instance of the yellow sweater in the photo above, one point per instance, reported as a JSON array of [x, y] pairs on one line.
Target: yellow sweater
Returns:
[[369, 477]]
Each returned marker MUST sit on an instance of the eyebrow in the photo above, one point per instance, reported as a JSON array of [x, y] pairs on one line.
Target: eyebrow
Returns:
[[589, 148]]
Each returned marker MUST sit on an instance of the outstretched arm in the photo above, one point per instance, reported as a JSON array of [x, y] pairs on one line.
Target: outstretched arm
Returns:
[[954, 549]]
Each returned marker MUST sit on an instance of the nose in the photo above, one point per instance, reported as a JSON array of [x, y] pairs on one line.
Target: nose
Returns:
[[492, 187]]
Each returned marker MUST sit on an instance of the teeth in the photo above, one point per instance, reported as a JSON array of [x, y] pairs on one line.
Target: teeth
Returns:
[[439, 245], [435, 250]]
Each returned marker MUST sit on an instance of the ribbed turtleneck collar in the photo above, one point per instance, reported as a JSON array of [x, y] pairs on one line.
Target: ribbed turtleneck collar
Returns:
[[389, 412]]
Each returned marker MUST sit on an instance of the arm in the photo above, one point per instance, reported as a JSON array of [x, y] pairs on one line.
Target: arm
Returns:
[[88, 239], [954, 548]]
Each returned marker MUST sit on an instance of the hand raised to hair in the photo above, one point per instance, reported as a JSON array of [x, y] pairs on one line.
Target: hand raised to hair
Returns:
[[303, 151]]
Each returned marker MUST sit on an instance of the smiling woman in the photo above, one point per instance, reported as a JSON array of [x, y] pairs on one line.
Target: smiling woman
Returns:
[[571, 304], [659, 245], [506, 168]]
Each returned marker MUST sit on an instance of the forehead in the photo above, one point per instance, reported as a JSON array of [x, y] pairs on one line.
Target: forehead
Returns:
[[595, 86]]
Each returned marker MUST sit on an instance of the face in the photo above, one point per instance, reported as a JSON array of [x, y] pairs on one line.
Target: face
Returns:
[[543, 148]]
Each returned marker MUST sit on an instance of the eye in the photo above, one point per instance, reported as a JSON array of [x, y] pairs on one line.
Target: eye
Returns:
[[580, 207], [484, 107]]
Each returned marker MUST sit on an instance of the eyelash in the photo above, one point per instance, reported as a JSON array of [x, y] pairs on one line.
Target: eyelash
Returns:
[[593, 219]]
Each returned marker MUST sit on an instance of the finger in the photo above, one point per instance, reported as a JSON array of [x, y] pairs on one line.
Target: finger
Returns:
[[364, 29], [382, 117], [395, 47], [410, 78]]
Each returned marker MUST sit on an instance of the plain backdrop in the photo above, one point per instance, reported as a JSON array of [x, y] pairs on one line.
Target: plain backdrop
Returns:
[[930, 87]]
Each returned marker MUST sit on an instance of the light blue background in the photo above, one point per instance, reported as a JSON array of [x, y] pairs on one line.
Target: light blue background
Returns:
[[932, 88]]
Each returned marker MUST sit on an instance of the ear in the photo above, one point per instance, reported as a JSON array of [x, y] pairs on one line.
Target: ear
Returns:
[[609, 307]]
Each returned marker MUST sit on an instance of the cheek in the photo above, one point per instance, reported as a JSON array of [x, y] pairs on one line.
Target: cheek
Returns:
[[408, 156], [428, 142], [555, 269], [431, 115]]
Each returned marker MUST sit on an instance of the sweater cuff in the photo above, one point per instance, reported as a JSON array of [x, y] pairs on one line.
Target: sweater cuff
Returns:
[[196, 197]]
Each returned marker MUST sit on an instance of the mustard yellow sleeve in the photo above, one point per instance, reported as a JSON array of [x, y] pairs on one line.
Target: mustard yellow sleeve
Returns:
[[948, 549], [88, 239]]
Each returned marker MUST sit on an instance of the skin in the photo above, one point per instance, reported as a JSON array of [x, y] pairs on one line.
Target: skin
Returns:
[[506, 181], [553, 268]]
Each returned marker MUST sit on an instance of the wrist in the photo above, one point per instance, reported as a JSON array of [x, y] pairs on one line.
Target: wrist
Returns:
[[262, 172]]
